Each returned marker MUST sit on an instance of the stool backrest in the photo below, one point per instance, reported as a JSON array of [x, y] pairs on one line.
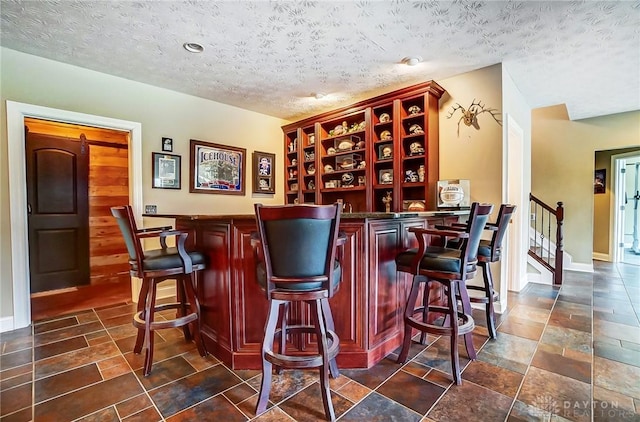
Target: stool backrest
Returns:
[[127, 224], [299, 243], [504, 216], [478, 217]]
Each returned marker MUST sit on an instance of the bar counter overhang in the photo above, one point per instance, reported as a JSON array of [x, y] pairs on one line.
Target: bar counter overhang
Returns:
[[367, 308]]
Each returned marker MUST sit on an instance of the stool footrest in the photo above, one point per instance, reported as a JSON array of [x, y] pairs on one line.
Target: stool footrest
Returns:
[[468, 324], [480, 299], [138, 320], [304, 361]]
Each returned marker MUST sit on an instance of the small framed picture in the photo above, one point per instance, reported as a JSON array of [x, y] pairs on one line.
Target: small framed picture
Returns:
[[263, 172], [385, 176], [167, 144], [599, 181], [166, 171]]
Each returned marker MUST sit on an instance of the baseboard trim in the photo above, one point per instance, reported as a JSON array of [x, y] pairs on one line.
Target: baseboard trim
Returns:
[[6, 324], [538, 279], [578, 267], [601, 256], [164, 289]]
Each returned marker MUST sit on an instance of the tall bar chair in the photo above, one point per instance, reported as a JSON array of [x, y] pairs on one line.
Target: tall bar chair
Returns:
[[297, 262], [488, 251], [491, 251], [451, 268], [157, 265]]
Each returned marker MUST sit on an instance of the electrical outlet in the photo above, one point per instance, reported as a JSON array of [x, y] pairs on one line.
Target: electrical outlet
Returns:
[[150, 209], [533, 217]]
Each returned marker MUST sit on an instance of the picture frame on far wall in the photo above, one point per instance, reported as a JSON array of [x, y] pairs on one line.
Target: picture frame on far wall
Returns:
[[600, 181], [263, 167], [166, 171], [216, 168], [167, 144]]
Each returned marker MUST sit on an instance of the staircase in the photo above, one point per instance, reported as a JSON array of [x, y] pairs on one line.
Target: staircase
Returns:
[[545, 238]]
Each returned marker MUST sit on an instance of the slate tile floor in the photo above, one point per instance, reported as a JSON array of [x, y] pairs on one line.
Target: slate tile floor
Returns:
[[570, 353]]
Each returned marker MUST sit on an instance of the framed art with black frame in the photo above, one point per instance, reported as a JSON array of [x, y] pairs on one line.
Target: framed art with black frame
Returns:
[[264, 164], [166, 171], [215, 168], [167, 144]]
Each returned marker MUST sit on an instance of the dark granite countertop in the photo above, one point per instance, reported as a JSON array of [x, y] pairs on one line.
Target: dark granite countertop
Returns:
[[344, 216]]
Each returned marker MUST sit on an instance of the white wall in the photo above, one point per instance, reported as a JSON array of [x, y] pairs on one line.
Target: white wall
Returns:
[[33, 80], [476, 154], [562, 160]]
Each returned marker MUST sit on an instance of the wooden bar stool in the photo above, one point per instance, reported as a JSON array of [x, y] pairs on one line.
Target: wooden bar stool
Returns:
[[451, 268], [297, 262], [489, 251], [153, 267]]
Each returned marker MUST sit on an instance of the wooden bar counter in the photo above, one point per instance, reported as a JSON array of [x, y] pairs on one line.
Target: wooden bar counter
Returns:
[[367, 308]]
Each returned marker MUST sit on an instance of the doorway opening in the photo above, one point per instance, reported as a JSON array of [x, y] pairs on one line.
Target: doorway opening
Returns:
[[75, 173], [626, 208], [16, 114]]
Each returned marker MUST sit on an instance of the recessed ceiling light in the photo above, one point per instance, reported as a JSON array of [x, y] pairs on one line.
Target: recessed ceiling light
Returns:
[[411, 60], [318, 95], [193, 47]]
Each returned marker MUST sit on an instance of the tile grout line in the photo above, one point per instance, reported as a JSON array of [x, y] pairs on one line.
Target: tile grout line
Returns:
[[524, 376]]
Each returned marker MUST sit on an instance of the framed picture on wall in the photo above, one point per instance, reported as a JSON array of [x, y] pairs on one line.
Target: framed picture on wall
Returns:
[[167, 144], [263, 172], [166, 171], [600, 181], [215, 168]]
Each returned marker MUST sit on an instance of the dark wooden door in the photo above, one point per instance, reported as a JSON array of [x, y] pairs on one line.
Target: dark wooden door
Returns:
[[58, 207]]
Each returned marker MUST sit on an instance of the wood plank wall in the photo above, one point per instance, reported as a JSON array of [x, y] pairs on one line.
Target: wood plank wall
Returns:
[[108, 186]]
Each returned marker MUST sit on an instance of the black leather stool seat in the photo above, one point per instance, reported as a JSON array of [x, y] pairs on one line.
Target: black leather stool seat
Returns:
[[435, 258], [164, 259]]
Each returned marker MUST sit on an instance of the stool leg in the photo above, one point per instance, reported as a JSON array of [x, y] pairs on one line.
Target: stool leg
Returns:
[[267, 347], [321, 334], [408, 313], [195, 308], [452, 306], [425, 312], [142, 300], [488, 290], [148, 332], [466, 308], [181, 297], [283, 311], [328, 317]]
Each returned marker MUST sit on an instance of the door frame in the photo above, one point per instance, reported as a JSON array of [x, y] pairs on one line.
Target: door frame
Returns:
[[616, 228], [16, 112], [514, 267]]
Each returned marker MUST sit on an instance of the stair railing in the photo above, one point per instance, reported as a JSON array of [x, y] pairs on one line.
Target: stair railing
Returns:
[[544, 219]]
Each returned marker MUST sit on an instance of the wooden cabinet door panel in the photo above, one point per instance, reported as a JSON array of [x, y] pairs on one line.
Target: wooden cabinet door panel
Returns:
[[213, 287], [385, 314], [349, 303], [250, 310]]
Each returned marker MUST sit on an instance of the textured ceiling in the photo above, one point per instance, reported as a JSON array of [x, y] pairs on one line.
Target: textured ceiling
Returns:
[[270, 56]]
